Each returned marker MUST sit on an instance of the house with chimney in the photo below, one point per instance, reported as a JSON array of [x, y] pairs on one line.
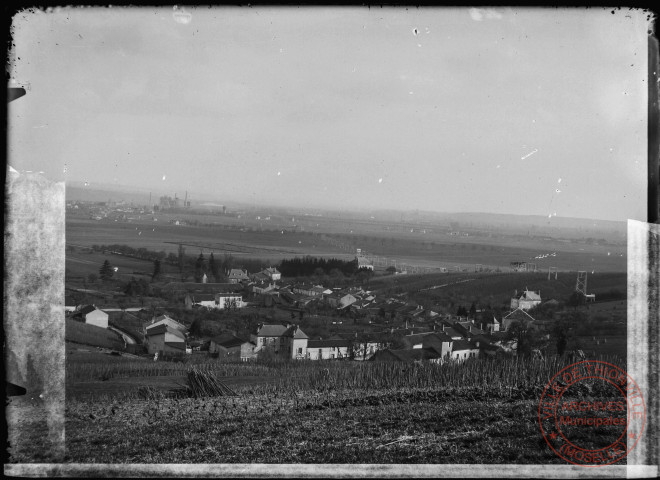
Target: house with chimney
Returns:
[[287, 340], [236, 275], [273, 273], [527, 300]]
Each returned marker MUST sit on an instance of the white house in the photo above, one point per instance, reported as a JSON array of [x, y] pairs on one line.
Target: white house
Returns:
[[93, 316], [273, 273], [328, 349], [461, 350], [285, 340], [220, 301]]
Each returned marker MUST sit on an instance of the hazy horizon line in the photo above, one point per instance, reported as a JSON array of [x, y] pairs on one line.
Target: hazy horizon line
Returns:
[[120, 188]]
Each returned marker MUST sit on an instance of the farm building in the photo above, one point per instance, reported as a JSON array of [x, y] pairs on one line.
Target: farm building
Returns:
[[165, 320], [164, 339], [264, 288], [527, 300], [296, 299], [407, 355], [464, 349], [340, 299], [285, 340], [365, 348], [328, 349], [308, 290], [232, 347], [219, 300], [517, 315], [93, 316], [440, 341]]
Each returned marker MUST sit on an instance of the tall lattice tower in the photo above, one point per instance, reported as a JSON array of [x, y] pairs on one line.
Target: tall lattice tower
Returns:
[[581, 284]]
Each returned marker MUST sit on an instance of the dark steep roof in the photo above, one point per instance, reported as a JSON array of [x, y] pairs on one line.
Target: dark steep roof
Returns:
[[407, 355], [229, 341], [462, 345], [87, 309]]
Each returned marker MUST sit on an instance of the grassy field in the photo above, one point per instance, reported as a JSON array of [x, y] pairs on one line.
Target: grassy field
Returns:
[[428, 250], [154, 235], [82, 333], [493, 288], [319, 412], [79, 263]]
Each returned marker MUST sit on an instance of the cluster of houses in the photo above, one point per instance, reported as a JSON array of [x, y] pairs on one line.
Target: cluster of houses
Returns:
[[448, 339], [436, 338]]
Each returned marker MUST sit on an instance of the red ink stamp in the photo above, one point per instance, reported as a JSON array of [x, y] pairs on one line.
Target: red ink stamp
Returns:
[[592, 413]]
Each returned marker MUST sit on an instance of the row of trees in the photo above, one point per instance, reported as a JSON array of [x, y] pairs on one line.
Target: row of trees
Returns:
[[314, 266]]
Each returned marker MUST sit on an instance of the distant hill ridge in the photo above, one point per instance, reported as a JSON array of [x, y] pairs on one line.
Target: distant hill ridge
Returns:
[[103, 192]]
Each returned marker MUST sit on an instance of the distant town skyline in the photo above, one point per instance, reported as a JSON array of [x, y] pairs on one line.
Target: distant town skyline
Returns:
[[526, 111]]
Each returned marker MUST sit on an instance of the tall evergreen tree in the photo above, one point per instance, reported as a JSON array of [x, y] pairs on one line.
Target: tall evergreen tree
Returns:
[[199, 268], [106, 271], [156, 273], [214, 268]]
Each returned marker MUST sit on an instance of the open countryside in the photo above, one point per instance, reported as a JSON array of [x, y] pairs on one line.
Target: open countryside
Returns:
[[242, 326], [294, 239]]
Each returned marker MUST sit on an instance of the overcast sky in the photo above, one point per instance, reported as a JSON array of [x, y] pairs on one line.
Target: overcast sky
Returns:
[[524, 111]]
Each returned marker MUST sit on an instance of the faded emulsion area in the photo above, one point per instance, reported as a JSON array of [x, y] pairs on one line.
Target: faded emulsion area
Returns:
[[34, 313]]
